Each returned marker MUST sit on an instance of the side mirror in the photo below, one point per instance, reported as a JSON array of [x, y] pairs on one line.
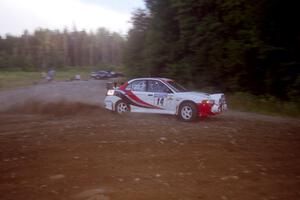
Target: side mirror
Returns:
[[109, 85]]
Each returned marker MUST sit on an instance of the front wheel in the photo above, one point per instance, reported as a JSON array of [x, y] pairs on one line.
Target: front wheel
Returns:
[[187, 112], [121, 107]]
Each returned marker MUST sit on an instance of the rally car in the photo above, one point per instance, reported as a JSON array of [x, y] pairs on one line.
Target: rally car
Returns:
[[163, 96]]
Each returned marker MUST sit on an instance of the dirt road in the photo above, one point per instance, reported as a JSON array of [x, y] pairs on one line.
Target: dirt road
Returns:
[[90, 92], [70, 150]]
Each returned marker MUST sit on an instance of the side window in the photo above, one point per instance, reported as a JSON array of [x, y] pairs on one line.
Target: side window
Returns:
[[139, 86], [157, 86], [128, 87]]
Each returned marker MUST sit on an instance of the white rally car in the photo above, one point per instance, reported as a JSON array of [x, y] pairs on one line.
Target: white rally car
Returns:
[[163, 96]]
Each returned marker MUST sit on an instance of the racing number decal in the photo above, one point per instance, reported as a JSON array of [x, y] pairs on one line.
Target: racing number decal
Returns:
[[160, 101]]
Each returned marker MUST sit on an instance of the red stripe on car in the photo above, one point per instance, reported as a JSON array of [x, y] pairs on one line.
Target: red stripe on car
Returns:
[[123, 87]]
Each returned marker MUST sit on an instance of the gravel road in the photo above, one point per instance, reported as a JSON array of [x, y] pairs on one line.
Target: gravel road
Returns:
[[89, 92]]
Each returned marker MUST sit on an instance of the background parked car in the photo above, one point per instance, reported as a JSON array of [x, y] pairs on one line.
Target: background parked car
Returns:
[[106, 74], [101, 75]]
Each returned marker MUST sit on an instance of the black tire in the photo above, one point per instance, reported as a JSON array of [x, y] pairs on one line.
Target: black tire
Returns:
[[121, 107], [188, 112]]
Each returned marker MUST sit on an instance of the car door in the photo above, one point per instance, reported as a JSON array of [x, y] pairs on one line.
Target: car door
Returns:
[[163, 96], [138, 96]]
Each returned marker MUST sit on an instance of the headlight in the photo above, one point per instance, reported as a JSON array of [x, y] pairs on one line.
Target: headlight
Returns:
[[204, 101], [208, 102], [110, 92], [211, 101]]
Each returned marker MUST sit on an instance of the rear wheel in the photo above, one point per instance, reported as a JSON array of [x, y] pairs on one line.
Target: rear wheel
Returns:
[[121, 107], [187, 112]]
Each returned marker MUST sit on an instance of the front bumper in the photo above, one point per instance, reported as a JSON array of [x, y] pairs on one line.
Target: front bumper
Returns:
[[206, 109], [108, 105]]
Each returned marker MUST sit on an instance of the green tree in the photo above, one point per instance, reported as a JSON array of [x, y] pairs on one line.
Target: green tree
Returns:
[[232, 45], [135, 46]]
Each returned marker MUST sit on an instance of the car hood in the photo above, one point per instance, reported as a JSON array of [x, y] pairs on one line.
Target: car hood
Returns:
[[194, 96]]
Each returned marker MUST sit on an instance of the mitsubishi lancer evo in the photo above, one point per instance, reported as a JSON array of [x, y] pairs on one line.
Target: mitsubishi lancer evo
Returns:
[[163, 96]]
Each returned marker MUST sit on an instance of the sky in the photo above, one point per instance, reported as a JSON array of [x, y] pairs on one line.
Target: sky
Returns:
[[18, 15]]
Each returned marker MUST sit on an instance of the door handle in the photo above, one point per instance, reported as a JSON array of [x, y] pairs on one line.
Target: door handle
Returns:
[[150, 95]]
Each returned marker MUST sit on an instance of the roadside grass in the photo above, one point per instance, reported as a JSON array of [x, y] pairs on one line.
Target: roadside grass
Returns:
[[268, 105], [67, 73], [15, 79], [262, 104]]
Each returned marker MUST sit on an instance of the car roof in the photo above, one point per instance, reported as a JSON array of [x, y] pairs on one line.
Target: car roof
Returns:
[[151, 78]]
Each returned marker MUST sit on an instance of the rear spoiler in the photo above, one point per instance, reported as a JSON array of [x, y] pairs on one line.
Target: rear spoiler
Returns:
[[109, 85]]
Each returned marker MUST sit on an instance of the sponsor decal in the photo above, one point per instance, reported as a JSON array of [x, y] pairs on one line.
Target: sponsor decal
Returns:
[[132, 99]]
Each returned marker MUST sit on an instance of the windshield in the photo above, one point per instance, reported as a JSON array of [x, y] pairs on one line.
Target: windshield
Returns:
[[177, 87]]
